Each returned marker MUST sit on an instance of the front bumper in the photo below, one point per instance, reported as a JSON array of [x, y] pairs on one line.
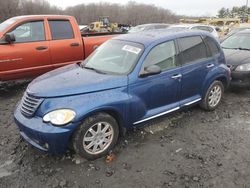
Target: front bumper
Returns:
[[42, 135], [240, 79]]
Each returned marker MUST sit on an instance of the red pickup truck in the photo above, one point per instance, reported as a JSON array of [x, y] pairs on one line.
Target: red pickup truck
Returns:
[[33, 45]]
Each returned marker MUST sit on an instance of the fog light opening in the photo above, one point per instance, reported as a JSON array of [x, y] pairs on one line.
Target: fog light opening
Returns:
[[46, 146]]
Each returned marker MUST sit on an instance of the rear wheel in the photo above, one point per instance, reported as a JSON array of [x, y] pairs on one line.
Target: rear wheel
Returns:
[[213, 96], [96, 136]]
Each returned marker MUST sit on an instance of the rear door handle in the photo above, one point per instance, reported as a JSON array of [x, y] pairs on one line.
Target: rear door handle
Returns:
[[176, 76], [210, 65], [42, 48], [74, 44]]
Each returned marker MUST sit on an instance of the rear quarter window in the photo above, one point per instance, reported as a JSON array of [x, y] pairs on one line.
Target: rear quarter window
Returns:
[[213, 47], [192, 49], [61, 29]]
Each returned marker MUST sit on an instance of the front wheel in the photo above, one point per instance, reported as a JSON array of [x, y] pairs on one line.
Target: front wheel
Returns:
[[96, 136], [213, 96]]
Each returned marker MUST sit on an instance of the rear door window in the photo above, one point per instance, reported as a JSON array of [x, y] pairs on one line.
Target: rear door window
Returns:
[[192, 49], [61, 29]]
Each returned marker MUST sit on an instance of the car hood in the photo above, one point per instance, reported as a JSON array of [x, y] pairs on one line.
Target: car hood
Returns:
[[73, 80], [237, 57]]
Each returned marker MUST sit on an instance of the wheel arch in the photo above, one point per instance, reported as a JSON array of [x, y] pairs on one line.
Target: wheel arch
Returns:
[[112, 112], [222, 78]]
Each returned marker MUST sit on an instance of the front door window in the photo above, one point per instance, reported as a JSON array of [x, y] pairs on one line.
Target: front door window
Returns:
[[29, 32]]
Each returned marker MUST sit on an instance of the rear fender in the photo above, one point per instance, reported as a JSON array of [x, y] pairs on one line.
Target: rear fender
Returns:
[[218, 73]]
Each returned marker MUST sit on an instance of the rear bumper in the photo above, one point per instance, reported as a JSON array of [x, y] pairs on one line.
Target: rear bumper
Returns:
[[42, 135], [240, 79]]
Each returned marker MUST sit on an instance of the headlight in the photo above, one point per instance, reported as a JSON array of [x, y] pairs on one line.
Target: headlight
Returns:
[[244, 67], [59, 117]]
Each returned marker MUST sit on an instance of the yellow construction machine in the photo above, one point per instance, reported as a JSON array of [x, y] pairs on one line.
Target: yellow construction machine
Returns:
[[103, 25]]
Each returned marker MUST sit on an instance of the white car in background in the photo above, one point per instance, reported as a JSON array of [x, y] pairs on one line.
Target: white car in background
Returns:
[[209, 28], [147, 27]]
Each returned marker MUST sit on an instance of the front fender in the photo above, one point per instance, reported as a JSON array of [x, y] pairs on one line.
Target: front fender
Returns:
[[114, 100]]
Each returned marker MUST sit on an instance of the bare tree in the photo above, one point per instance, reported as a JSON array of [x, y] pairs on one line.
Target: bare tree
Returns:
[[8, 9], [132, 13]]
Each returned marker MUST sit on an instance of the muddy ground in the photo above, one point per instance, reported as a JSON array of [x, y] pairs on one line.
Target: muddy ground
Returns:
[[191, 148]]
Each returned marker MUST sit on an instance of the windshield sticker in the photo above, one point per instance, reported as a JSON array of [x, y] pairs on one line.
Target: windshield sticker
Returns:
[[131, 49]]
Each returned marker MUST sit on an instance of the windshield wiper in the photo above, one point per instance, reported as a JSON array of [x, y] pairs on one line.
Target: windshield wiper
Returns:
[[96, 70], [240, 48], [230, 48]]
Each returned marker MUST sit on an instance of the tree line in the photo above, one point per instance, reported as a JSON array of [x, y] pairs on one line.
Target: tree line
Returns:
[[240, 12], [131, 13]]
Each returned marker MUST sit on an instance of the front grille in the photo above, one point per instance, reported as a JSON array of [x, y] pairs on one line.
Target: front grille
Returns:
[[30, 104]]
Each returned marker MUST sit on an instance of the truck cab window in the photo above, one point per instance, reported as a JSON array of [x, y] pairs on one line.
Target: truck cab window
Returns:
[[29, 32], [61, 29]]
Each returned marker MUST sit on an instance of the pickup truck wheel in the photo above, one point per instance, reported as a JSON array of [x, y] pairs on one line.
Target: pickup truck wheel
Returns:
[[213, 96], [96, 136]]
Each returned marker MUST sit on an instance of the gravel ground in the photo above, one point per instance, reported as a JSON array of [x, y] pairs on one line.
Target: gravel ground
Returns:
[[191, 148]]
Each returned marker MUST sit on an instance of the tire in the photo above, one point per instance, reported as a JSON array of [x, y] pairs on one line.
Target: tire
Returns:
[[213, 96], [91, 140]]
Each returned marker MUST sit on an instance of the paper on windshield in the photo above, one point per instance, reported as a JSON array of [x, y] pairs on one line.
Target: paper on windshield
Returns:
[[131, 49]]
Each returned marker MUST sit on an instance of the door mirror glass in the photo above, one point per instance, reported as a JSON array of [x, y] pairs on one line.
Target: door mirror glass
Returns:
[[151, 70], [10, 38]]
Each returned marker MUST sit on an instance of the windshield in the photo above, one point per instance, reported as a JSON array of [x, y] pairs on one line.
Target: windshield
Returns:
[[7, 23], [137, 29], [179, 27], [114, 57], [237, 41]]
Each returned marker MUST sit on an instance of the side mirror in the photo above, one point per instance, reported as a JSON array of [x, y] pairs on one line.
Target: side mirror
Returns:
[[10, 38], [151, 70], [218, 29]]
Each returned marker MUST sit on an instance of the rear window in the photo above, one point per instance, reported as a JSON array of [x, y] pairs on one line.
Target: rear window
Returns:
[[61, 29], [204, 28], [192, 49], [161, 26]]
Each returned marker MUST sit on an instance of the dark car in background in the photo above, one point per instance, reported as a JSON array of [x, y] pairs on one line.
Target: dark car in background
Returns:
[[238, 29], [126, 82], [237, 52]]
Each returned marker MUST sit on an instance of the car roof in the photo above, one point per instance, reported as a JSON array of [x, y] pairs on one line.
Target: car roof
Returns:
[[40, 16], [148, 37], [190, 25], [151, 24]]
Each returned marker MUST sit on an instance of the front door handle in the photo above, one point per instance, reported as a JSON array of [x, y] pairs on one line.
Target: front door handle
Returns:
[[42, 48], [210, 65], [74, 44], [176, 76]]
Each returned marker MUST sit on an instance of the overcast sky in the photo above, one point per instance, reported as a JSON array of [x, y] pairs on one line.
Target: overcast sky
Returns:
[[183, 7]]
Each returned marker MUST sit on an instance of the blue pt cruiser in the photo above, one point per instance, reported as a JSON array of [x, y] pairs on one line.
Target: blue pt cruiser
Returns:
[[126, 82]]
